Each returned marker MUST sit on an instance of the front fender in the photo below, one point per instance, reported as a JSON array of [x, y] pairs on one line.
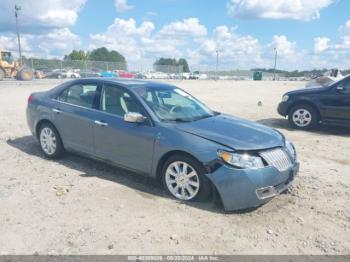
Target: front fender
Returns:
[[169, 140]]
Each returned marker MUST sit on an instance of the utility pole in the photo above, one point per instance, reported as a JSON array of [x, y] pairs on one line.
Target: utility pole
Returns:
[[274, 69], [17, 9], [217, 64]]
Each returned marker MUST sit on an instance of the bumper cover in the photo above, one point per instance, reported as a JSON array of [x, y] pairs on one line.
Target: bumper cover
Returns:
[[247, 188], [283, 108]]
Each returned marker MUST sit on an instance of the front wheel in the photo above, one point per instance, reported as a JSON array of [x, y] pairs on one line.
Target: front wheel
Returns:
[[184, 179], [303, 117], [50, 141]]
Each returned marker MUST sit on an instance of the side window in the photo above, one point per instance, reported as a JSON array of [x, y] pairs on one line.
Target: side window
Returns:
[[116, 101], [347, 86], [80, 95]]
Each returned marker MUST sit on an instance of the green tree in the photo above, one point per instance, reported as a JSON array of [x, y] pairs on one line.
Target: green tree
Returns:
[[77, 55], [183, 62], [103, 54], [169, 65]]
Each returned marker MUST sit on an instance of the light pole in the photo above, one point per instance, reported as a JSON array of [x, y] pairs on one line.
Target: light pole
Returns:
[[17, 9], [217, 64], [274, 69]]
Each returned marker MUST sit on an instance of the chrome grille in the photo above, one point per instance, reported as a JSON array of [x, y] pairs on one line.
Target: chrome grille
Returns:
[[278, 158]]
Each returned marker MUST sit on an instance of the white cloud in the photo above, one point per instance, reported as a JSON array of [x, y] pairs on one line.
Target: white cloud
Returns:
[[44, 26], [321, 44], [187, 27], [133, 41], [39, 15], [122, 5], [141, 41], [235, 50], [345, 29], [53, 44], [277, 9], [284, 47]]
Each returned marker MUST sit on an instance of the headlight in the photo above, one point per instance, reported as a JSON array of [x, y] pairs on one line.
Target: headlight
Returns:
[[291, 149], [244, 161], [285, 98]]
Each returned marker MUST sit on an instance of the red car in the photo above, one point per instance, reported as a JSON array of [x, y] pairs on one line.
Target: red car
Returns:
[[124, 74]]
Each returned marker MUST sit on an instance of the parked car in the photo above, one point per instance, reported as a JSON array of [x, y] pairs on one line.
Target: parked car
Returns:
[[89, 73], [124, 74], [163, 132], [156, 75], [307, 107], [63, 73], [186, 76], [108, 74], [198, 76]]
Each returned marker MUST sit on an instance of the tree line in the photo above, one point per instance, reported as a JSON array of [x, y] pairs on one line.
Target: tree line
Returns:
[[165, 64]]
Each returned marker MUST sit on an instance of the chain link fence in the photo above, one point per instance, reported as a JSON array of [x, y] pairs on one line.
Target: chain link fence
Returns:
[[54, 68], [60, 69]]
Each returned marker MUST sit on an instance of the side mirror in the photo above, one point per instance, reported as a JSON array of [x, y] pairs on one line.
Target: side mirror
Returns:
[[133, 117]]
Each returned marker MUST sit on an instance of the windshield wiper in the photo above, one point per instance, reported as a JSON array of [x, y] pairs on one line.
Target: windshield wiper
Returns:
[[202, 117], [182, 120]]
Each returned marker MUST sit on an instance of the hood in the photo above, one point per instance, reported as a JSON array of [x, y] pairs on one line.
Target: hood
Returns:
[[308, 90], [234, 132]]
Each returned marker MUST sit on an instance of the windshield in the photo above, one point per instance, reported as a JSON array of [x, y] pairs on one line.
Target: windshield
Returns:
[[174, 104], [6, 56]]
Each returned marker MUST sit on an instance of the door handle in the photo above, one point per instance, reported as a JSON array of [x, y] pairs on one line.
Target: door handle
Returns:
[[55, 110], [100, 123]]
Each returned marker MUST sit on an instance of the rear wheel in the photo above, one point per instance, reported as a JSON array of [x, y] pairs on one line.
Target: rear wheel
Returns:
[[184, 179], [25, 74], [303, 117], [50, 141]]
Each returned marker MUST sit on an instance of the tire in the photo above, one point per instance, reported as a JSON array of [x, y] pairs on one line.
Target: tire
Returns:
[[2, 74], [48, 133], [303, 117], [73, 76], [184, 192], [25, 74]]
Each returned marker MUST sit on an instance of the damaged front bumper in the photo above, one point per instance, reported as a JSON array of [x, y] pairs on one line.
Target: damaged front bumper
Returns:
[[248, 188]]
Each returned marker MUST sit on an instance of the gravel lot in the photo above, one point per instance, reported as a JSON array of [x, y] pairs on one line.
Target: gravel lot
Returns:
[[79, 206]]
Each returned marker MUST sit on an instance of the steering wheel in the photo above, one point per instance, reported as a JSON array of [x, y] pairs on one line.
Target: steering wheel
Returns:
[[172, 110]]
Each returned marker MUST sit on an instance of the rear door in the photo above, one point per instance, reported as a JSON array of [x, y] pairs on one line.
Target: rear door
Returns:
[[126, 144], [74, 112]]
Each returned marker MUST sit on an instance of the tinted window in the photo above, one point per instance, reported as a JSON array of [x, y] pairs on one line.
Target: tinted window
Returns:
[[80, 95], [117, 101]]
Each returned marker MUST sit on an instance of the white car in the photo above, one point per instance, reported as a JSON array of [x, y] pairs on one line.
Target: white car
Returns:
[[71, 74], [156, 75], [63, 73]]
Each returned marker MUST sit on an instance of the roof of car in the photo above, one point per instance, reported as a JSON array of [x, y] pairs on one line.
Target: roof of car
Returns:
[[132, 83]]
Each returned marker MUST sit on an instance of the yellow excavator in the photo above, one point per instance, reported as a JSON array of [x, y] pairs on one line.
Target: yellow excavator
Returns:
[[9, 68]]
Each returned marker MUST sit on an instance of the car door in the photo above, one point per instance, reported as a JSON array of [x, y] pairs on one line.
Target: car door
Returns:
[[335, 104], [73, 115], [126, 144]]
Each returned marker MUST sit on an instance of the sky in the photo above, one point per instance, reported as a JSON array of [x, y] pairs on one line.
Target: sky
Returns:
[[307, 34]]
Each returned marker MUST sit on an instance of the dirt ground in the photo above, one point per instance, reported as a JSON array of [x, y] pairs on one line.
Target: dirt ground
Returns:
[[79, 206]]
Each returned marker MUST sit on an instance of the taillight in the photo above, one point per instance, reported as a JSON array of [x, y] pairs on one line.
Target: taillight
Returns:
[[30, 99]]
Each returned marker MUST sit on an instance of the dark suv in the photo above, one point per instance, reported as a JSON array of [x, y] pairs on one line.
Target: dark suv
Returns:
[[308, 107]]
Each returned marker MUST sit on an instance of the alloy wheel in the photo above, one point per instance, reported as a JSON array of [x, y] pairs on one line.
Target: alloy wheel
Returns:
[[48, 141], [302, 117], [182, 180]]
